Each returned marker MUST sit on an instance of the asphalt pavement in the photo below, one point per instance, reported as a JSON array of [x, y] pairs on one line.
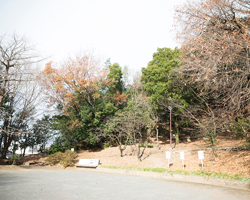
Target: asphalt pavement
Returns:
[[90, 184]]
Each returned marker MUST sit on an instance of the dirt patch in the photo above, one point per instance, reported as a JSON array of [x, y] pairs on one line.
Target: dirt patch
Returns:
[[232, 162]]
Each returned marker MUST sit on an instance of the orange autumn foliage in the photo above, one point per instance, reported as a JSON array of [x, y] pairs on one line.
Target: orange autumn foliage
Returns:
[[76, 80], [119, 98]]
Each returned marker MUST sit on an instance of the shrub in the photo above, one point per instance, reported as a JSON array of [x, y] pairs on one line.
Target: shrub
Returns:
[[55, 158], [15, 158], [66, 159], [56, 146], [148, 145], [105, 145], [242, 128]]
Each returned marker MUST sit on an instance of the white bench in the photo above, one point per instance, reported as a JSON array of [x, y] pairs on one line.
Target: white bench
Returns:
[[88, 163]]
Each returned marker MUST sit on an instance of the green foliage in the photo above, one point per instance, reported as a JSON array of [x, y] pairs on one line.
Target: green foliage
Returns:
[[157, 77], [242, 129], [106, 145], [148, 145], [162, 83], [82, 120], [211, 138], [42, 129], [14, 158], [115, 74], [57, 146], [66, 159], [184, 172]]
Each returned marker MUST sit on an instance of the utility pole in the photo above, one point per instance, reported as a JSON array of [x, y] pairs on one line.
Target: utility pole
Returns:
[[170, 108]]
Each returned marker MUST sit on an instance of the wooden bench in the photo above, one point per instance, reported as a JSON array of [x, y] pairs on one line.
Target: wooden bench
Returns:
[[88, 163]]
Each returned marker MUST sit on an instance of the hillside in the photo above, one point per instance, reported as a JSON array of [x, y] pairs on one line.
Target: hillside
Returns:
[[232, 162]]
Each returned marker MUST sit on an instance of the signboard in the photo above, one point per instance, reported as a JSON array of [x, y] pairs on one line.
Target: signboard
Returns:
[[182, 155], [72, 149], [168, 155], [201, 155]]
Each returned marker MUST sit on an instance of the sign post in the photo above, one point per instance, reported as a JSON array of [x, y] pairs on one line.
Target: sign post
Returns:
[[170, 108], [168, 156], [182, 158], [201, 157]]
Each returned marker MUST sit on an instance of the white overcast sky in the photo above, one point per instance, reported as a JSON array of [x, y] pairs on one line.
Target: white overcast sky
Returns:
[[128, 32]]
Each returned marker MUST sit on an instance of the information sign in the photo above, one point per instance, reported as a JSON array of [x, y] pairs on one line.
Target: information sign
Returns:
[[182, 155], [201, 155], [168, 155]]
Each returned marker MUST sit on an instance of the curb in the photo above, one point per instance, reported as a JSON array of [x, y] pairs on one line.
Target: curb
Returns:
[[242, 185]]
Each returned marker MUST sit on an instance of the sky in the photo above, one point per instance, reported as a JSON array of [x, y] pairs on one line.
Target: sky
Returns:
[[128, 32]]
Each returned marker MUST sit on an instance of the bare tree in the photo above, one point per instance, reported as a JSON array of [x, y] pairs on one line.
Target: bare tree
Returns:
[[117, 130], [215, 50], [15, 56], [134, 124], [215, 57], [19, 88]]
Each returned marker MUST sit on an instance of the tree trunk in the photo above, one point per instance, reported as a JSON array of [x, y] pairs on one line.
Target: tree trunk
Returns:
[[4, 152], [121, 150], [4, 146], [157, 137], [176, 133], [24, 149], [7, 141], [1, 139], [138, 152], [15, 147], [24, 144]]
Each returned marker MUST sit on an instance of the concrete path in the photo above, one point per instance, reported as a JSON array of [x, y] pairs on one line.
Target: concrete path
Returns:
[[87, 184]]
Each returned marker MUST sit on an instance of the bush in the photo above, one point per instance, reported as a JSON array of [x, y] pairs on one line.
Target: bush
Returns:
[[15, 158], [148, 145], [56, 146], [105, 145], [66, 159], [242, 128]]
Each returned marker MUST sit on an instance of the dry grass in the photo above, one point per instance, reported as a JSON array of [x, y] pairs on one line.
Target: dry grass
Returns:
[[232, 162]]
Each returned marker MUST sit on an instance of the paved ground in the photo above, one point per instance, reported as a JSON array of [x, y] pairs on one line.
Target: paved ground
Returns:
[[82, 184]]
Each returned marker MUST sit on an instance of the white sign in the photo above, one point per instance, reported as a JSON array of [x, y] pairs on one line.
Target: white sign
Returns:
[[201, 155], [182, 155], [168, 155], [72, 149]]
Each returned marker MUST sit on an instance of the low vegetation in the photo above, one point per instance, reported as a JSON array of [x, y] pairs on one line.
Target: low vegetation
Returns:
[[66, 159], [196, 173], [15, 158]]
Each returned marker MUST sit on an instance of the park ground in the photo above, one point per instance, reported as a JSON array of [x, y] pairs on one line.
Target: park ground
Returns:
[[218, 160]]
